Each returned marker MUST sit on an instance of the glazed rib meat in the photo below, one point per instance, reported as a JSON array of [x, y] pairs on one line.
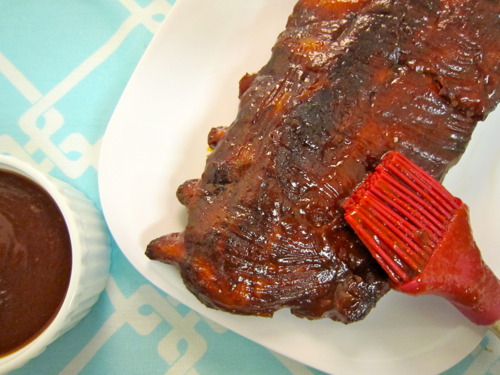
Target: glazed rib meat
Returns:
[[347, 81]]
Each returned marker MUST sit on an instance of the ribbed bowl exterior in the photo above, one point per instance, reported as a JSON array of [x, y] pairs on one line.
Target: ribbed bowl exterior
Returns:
[[95, 253], [90, 264]]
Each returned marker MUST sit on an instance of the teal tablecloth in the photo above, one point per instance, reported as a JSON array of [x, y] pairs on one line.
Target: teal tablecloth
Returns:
[[63, 67]]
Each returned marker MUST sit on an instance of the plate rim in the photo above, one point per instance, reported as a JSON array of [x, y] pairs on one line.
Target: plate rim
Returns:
[[104, 159]]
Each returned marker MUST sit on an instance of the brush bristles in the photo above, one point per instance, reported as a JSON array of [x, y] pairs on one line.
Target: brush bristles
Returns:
[[400, 213]]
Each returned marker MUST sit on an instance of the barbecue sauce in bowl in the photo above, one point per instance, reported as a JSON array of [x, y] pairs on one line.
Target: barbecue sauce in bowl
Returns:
[[35, 260]]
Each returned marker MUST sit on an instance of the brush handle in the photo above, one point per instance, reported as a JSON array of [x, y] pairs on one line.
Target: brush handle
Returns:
[[495, 328], [457, 272]]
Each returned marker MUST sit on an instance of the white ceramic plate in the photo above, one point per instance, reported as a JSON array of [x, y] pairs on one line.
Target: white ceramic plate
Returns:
[[185, 84]]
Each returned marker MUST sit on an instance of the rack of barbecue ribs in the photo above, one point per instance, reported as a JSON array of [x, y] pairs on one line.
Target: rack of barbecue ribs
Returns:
[[347, 81]]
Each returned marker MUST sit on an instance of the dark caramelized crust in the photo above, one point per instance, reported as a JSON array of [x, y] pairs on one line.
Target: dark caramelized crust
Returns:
[[347, 82]]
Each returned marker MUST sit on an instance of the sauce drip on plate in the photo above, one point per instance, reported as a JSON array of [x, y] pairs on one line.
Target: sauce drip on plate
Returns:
[[35, 260]]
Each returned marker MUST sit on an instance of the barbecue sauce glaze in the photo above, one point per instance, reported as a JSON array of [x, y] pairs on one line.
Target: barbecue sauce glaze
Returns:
[[35, 260]]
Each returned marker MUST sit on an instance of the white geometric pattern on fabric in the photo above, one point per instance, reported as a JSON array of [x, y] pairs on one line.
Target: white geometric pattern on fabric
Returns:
[[43, 104], [127, 312]]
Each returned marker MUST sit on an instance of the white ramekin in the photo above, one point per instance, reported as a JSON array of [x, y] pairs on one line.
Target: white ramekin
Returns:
[[90, 259]]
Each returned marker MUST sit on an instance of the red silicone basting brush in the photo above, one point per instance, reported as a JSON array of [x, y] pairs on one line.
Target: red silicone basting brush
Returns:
[[420, 234]]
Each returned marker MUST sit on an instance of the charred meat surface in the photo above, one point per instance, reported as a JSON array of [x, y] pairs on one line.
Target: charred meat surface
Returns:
[[347, 82]]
